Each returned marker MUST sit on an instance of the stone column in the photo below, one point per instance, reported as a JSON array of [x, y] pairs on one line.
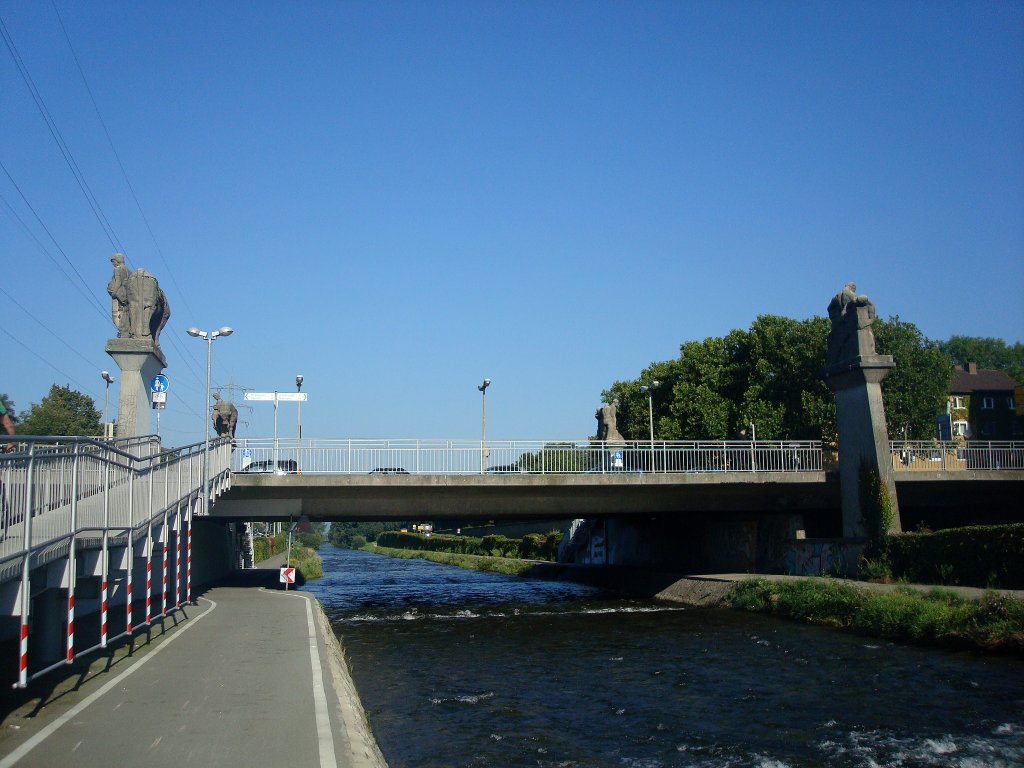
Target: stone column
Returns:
[[139, 360], [854, 371]]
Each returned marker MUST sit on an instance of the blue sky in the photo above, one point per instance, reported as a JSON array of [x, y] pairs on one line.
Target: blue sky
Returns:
[[399, 199]]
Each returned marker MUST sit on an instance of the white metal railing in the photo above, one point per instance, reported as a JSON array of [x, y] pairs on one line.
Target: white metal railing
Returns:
[[57, 494], [953, 455], [465, 457], [51, 488]]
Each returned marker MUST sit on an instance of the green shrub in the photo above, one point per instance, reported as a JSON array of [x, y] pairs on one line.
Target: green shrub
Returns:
[[979, 556]]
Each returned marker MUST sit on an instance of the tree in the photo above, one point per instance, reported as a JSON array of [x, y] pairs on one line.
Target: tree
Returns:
[[62, 412], [770, 376], [987, 352]]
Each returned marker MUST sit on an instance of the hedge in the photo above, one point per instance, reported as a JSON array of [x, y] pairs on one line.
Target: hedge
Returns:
[[533, 546], [978, 556]]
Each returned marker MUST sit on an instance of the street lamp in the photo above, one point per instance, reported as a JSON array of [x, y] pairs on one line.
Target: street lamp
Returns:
[[483, 422], [650, 412], [106, 397], [298, 433], [209, 336]]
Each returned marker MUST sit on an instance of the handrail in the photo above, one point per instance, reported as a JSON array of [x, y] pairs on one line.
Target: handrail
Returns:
[[463, 457], [956, 455]]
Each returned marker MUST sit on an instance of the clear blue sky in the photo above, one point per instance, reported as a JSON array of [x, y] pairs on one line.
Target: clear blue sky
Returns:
[[398, 199]]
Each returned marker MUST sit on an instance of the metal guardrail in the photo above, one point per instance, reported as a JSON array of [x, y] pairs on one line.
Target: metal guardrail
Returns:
[[60, 494], [466, 457], [952, 456]]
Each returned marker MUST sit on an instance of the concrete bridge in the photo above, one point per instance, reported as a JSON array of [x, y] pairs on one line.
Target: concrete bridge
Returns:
[[122, 527]]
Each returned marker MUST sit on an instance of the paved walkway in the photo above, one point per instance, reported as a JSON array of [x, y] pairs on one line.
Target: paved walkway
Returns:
[[249, 676]]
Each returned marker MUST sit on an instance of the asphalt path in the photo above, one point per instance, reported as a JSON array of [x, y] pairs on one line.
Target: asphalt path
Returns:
[[249, 676]]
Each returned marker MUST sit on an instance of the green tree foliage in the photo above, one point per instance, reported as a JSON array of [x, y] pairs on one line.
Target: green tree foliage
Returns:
[[63, 411], [987, 352], [560, 457], [344, 535], [770, 375]]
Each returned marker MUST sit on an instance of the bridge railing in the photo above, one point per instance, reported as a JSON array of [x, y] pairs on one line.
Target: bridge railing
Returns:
[[465, 457], [52, 488], [953, 455]]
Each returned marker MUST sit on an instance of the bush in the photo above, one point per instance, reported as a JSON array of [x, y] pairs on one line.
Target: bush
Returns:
[[979, 556]]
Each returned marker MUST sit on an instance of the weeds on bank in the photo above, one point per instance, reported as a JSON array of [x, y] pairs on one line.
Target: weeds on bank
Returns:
[[506, 566], [939, 617]]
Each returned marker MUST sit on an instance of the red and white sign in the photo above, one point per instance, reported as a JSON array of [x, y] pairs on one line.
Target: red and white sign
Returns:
[[287, 575]]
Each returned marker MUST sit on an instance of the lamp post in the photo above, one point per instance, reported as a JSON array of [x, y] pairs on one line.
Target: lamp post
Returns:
[[298, 433], [106, 397], [650, 412], [483, 422], [209, 336]]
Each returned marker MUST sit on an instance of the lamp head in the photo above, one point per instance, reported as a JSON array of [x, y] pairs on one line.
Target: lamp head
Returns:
[[483, 387], [298, 381], [193, 331], [225, 331], [107, 377]]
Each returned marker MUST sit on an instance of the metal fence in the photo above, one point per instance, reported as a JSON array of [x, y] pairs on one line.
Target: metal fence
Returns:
[[951, 456], [465, 457]]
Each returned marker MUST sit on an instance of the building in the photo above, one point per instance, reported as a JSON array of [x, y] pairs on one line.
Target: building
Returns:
[[983, 405]]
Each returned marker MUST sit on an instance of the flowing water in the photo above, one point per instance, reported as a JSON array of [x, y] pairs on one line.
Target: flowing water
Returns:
[[461, 668]]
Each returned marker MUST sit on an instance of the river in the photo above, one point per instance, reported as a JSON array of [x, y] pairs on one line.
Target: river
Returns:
[[459, 668]]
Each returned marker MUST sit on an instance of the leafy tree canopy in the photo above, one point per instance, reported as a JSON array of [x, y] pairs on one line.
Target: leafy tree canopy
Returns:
[[987, 352], [63, 411], [770, 375]]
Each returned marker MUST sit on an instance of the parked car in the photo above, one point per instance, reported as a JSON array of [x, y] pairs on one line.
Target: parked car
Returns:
[[284, 467], [504, 469], [389, 471]]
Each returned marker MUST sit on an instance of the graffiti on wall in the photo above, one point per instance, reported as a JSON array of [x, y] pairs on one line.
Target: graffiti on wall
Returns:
[[816, 558]]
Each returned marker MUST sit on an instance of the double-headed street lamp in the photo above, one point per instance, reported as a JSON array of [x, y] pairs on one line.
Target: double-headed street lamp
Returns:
[[106, 397], [483, 422], [650, 412], [209, 336]]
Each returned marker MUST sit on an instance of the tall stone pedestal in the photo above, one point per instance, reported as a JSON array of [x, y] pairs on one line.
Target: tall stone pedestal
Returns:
[[139, 360], [863, 436]]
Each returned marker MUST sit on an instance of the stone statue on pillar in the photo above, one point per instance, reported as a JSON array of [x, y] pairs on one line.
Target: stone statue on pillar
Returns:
[[607, 429], [140, 310], [225, 417], [854, 371]]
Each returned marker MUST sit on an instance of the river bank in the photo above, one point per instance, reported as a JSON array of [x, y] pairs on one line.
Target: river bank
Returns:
[[988, 621]]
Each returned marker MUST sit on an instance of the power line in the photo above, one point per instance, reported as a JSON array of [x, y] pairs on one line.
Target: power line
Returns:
[[65, 151], [117, 157], [84, 289]]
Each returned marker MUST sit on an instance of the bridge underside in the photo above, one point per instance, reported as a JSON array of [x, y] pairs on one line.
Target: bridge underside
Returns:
[[517, 497]]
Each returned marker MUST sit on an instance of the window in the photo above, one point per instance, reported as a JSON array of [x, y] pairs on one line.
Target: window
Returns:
[[1011, 403], [957, 402], [961, 429], [988, 403]]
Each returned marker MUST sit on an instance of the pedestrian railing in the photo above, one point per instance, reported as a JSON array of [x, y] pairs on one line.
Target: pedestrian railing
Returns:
[[60, 495], [466, 457], [954, 455]]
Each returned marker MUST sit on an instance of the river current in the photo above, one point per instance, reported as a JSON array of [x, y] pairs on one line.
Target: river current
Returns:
[[460, 668]]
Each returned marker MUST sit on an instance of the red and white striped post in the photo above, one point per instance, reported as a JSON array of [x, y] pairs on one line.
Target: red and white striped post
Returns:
[[71, 625], [177, 560], [188, 558], [26, 584]]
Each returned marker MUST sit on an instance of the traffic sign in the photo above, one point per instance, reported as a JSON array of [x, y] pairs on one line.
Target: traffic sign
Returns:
[[287, 575], [279, 396], [158, 383]]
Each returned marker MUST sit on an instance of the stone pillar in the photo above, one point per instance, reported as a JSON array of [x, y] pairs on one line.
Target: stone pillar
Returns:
[[139, 360], [854, 371], [863, 436]]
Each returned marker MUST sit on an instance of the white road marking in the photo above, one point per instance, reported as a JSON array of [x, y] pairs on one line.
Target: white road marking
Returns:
[[46, 732]]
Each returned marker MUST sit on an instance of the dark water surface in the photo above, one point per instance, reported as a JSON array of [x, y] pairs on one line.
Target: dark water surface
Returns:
[[460, 668]]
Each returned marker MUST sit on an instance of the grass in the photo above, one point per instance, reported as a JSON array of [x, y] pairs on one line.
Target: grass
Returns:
[[504, 565], [994, 623]]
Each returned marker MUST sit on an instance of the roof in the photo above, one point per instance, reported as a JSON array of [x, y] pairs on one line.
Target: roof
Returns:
[[969, 378]]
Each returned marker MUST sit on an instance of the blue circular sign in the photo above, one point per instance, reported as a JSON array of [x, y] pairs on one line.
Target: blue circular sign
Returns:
[[159, 383]]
